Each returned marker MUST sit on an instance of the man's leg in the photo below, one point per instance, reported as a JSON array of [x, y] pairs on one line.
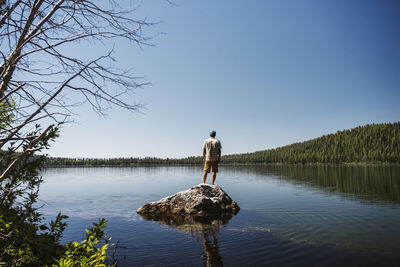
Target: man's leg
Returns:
[[214, 171], [214, 175], [204, 177]]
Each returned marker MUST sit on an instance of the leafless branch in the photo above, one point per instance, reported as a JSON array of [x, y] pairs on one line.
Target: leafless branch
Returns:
[[38, 71]]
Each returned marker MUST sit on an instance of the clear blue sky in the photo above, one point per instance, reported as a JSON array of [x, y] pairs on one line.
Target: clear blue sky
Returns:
[[263, 74]]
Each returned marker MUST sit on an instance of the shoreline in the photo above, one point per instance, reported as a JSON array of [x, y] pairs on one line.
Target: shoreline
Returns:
[[366, 164]]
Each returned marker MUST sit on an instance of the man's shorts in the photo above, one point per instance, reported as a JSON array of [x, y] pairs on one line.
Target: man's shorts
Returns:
[[211, 165]]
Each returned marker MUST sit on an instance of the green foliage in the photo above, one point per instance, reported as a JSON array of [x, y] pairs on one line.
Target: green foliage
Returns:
[[87, 252], [6, 113], [25, 240], [2, 8], [44, 249], [24, 244]]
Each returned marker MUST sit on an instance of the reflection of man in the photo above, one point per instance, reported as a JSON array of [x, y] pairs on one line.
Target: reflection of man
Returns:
[[211, 156], [211, 249]]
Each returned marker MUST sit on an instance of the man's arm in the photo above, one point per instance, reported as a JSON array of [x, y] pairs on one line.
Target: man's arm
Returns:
[[219, 153], [204, 154]]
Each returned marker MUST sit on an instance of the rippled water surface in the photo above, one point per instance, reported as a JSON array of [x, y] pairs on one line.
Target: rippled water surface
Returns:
[[290, 215]]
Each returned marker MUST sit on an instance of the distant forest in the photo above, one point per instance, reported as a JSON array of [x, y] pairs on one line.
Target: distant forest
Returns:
[[374, 143]]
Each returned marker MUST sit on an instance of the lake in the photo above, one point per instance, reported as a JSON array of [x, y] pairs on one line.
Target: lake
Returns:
[[291, 215]]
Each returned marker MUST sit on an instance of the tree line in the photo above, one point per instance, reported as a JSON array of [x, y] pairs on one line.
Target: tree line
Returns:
[[378, 143], [120, 162], [372, 143]]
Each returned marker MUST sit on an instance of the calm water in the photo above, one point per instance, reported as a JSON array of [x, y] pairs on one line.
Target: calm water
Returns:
[[290, 215]]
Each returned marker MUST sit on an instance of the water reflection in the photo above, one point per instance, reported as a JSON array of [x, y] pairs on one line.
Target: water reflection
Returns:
[[205, 227], [291, 215], [210, 243], [375, 184]]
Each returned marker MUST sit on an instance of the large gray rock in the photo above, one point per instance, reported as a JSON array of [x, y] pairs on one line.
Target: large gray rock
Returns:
[[200, 201]]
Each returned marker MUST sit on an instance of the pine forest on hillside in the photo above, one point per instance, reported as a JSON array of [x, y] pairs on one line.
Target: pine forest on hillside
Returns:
[[369, 143], [375, 143]]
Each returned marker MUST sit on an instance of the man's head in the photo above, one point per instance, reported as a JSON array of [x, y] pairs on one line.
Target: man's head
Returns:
[[213, 133]]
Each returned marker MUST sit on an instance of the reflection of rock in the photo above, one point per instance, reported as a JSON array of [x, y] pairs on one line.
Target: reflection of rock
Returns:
[[200, 201], [178, 220], [205, 227], [195, 225]]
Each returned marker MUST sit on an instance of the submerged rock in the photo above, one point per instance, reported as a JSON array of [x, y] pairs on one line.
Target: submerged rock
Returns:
[[200, 211], [198, 202]]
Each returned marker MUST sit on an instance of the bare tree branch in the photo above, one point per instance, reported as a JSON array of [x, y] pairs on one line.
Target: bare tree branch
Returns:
[[37, 72]]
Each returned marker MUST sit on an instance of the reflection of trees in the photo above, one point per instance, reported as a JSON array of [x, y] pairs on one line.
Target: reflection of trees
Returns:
[[372, 183], [206, 227]]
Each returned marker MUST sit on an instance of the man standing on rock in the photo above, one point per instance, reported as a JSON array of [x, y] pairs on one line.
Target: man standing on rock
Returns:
[[211, 156]]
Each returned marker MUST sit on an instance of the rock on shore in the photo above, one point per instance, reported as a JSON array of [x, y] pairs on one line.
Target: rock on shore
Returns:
[[200, 201]]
